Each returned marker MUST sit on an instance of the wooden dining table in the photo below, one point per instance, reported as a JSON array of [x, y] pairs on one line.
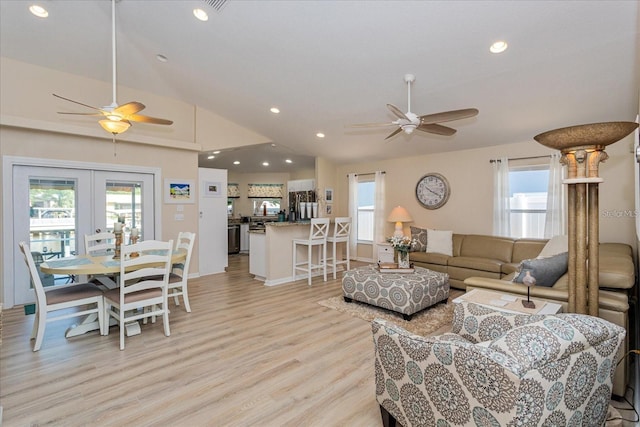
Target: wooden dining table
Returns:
[[78, 265]]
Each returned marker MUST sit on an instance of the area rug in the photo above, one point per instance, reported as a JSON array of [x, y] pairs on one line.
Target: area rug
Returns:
[[422, 323]]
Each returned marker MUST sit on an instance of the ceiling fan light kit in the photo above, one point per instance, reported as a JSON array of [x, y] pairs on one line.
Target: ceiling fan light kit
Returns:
[[117, 118], [115, 126], [408, 122]]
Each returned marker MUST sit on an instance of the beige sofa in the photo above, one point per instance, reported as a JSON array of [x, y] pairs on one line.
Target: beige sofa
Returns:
[[490, 262]]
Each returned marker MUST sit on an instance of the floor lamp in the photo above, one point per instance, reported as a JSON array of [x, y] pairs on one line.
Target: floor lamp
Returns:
[[582, 149]]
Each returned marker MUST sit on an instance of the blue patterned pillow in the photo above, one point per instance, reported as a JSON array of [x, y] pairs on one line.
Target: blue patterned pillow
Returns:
[[546, 271]]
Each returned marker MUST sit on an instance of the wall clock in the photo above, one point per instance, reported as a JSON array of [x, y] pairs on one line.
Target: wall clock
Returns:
[[432, 191]]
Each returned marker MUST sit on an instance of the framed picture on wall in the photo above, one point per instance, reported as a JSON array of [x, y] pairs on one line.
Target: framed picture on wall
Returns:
[[211, 189], [329, 209], [328, 195], [179, 191]]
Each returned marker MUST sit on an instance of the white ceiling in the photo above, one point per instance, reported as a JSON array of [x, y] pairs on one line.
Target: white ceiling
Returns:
[[328, 64]]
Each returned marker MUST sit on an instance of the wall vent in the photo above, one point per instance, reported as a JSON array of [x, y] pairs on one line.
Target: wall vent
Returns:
[[216, 4]]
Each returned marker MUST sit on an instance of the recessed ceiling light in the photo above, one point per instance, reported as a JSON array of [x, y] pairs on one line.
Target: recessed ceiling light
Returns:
[[288, 161], [211, 157], [275, 110], [236, 162], [216, 152], [498, 47], [38, 11], [200, 14], [160, 57], [265, 163], [320, 135]]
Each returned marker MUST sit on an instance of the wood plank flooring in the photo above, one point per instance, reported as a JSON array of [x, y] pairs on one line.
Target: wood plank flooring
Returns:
[[246, 355]]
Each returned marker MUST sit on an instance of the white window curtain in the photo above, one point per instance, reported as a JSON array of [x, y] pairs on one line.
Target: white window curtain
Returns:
[[379, 218], [501, 210], [555, 219], [353, 213]]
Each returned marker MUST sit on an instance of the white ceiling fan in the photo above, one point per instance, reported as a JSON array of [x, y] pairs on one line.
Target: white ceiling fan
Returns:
[[408, 122], [117, 118]]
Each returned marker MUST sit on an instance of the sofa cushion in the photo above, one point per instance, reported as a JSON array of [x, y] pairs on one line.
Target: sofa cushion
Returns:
[[429, 258], [419, 235], [440, 241], [526, 249], [546, 271], [492, 247], [509, 268], [476, 263]]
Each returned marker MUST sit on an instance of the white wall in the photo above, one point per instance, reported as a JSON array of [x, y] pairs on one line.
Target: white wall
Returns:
[[212, 224]]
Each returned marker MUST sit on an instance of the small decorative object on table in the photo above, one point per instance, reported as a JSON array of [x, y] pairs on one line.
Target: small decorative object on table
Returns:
[[133, 239], [529, 281], [117, 231], [402, 244]]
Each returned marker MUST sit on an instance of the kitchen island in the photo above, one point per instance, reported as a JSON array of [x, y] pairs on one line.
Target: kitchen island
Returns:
[[271, 251]]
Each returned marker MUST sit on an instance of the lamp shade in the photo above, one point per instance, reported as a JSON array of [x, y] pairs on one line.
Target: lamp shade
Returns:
[[399, 214], [113, 126]]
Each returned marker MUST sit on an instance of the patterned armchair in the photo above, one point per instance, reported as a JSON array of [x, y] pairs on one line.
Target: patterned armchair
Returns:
[[497, 369]]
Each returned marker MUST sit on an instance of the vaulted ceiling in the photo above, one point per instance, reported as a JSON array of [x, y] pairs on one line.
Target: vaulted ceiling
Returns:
[[329, 64]]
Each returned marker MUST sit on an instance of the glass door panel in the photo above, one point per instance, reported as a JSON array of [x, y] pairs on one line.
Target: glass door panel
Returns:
[[46, 215], [128, 198]]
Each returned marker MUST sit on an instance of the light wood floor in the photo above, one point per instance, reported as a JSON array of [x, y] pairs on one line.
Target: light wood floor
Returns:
[[246, 355]]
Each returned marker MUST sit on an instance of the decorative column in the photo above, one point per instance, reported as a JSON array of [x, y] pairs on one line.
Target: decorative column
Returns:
[[582, 149]]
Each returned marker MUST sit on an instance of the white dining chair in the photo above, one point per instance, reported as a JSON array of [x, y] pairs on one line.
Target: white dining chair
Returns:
[[143, 290], [101, 243], [180, 272], [341, 233], [317, 238], [60, 298]]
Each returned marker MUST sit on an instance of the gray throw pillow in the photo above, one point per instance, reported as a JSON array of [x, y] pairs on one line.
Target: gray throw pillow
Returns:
[[420, 236], [546, 271]]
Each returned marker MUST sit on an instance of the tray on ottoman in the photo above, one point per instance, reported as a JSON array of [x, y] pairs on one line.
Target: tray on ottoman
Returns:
[[405, 293]]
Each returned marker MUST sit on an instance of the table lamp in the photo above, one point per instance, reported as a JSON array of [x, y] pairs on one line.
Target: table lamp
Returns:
[[399, 215]]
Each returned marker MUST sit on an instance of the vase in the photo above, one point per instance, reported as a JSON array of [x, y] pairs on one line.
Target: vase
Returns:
[[403, 259], [314, 209]]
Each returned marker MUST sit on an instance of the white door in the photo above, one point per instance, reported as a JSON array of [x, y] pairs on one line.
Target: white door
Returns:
[[212, 223], [47, 215], [53, 208]]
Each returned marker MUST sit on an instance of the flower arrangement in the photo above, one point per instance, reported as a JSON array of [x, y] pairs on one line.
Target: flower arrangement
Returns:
[[401, 243]]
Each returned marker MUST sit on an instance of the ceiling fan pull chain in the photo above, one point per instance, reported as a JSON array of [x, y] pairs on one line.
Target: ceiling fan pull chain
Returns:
[[113, 136]]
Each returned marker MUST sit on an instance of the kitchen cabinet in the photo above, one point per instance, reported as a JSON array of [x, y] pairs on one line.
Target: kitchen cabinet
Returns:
[[257, 255]]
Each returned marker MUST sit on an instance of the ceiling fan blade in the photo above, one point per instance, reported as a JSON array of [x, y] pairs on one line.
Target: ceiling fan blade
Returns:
[[129, 108], [448, 116], [394, 133], [147, 119], [76, 102], [367, 125], [83, 114], [397, 112], [437, 129]]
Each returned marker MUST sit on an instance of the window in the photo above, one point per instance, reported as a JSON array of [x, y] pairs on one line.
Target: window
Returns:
[[528, 200], [366, 204], [273, 206]]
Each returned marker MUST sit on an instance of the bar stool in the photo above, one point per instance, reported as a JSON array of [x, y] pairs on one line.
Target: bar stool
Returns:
[[317, 237], [341, 232]]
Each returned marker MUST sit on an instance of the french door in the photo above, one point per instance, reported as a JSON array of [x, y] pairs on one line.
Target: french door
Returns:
[[54, 207]]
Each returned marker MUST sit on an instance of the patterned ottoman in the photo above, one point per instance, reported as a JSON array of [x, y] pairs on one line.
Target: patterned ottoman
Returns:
[[405, 293]]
